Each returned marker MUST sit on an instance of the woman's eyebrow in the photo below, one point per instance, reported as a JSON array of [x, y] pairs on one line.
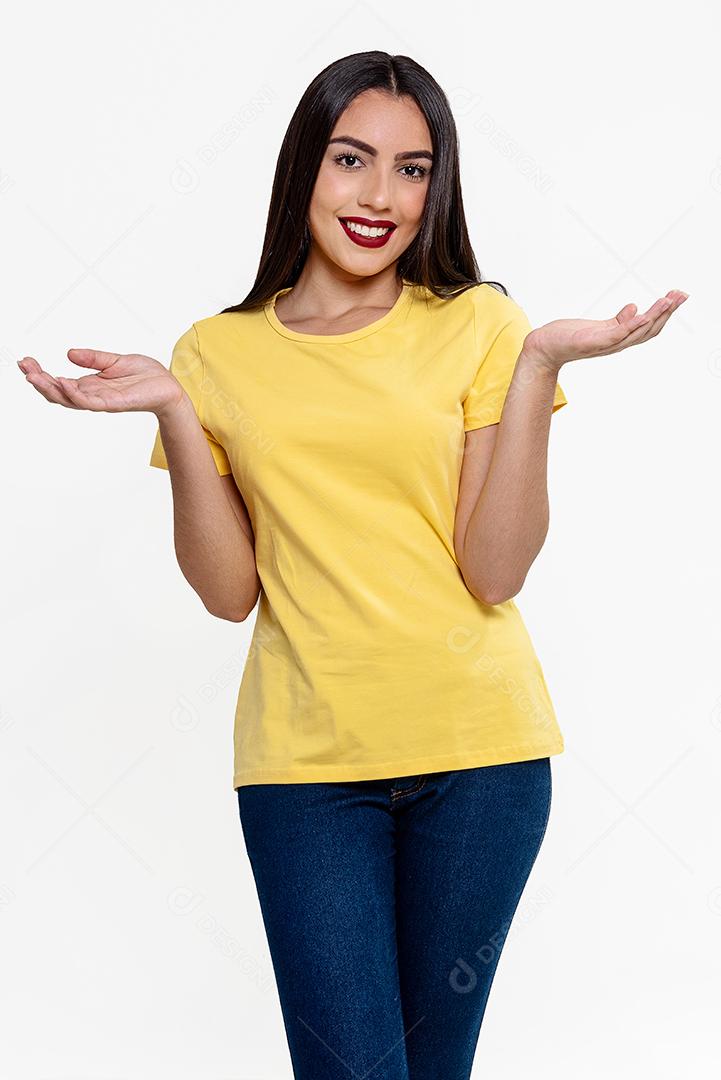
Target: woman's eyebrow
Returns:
[[367, 149]]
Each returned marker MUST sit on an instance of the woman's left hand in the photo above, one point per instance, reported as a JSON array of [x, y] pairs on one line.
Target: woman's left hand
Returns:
[[555, 343]]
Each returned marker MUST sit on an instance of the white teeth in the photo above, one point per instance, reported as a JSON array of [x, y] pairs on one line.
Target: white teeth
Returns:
[[365, 230]]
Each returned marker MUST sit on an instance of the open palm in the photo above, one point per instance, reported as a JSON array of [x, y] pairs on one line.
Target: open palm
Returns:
[[122, 383], [558, 342]]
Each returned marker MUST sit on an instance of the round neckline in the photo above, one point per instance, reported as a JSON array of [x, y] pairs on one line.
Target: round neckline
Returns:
[[335, 339]]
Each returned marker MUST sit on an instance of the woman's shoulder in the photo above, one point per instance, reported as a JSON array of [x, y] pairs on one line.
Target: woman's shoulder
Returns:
[[482, 302], [492, 299], [226, 326]]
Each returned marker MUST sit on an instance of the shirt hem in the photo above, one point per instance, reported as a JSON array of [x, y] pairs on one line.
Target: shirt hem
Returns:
[[309, 774]]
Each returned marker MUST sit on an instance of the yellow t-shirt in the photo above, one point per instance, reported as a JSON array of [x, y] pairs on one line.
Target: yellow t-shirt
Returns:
[[369, 656]]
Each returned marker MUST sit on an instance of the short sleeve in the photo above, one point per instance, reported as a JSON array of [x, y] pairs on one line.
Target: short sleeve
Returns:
[[500, 328], [186, 364]]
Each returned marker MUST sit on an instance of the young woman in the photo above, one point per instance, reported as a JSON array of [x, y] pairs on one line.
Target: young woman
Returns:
[[361, 445]]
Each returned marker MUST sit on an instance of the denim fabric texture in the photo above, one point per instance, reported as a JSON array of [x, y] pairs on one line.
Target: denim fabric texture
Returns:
[[386, 905]]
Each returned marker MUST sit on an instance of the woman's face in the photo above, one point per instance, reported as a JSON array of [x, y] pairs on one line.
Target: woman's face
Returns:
[[384, 180]]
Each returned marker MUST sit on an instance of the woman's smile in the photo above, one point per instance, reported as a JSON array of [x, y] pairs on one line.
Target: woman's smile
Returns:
[[366, 232]]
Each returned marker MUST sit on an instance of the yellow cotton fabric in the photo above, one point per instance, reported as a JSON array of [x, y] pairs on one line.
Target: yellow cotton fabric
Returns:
[[369, 656]]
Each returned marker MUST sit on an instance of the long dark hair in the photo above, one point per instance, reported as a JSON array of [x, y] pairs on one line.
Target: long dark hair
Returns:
[[440, 256]]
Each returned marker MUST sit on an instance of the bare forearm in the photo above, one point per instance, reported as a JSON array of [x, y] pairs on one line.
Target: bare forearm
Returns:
[[214, 553], [509, 522]]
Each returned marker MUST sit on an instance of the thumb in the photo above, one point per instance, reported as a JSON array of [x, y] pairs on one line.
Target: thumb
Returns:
[[92, 358], [627, 313]]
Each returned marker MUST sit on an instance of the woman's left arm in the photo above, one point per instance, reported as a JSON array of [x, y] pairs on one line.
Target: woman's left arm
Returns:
[[502, 513]]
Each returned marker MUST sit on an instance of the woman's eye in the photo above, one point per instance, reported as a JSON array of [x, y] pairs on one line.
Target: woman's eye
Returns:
[[421, 168], [341, 157]]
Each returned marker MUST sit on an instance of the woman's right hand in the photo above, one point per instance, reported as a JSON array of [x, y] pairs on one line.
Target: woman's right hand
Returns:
[[124, 383]]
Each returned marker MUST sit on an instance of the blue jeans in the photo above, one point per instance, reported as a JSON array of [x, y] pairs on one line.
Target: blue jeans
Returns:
[[386, 904]]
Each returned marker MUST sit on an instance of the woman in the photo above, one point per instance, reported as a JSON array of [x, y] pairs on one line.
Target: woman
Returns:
[[361, 445]]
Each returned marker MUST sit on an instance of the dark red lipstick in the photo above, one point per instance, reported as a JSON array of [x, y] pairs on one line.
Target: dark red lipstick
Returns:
[[368, 241]]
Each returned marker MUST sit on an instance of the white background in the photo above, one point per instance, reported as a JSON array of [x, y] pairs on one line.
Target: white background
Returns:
[[138, 148]]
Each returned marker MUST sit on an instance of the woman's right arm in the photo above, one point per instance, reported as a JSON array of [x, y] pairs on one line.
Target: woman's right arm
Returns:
[[214, 541]]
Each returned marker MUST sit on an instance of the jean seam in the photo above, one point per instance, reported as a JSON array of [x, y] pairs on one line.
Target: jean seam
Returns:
[[395, 795], [550, 800]]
